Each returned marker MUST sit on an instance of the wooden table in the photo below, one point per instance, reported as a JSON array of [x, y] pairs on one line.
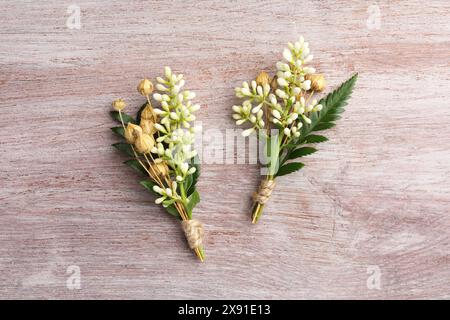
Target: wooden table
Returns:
[[368, 217]]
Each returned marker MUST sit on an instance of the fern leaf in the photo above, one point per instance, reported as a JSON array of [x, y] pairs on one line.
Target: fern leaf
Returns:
[[333, 104]]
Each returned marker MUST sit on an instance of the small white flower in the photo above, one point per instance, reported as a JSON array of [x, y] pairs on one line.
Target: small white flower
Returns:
[[283, 66], [307, 120], [160, 128], [306, 85], [309, 70], [168, 72], [191, 170], [281, 94], [257, 108], [282, 82], [160, 200], [276, 114], [246, 91], [247, 132], [273, 99], [158, 189], [161, 87], [157, 97], [287, 132], [259, 90], [184, 167], [287, 55]]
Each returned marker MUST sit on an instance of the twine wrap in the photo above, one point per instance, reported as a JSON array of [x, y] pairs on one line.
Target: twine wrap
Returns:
[[265, 190], [193, 229]]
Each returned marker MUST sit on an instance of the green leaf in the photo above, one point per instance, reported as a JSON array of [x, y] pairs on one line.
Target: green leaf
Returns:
[[119, 131], [193, 200], [173, 211], [126, 118], [192, 179], [333, 104], [272, 152], [301, 152], [138, 116], [133, 163], [289, 168], [323, 126], [313, 138], [188, 185], [331, 117], [171, 208], [124, 147], [149, 186]]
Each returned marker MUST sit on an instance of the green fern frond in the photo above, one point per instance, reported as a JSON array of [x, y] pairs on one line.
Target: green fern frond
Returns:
[[333, 105]]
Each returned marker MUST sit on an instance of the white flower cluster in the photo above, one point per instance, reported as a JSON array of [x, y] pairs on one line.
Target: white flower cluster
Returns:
[[169, 195], [176, 136], [287, 107]]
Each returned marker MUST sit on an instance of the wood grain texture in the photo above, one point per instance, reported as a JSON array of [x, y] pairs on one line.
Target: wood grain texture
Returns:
[[377, 194]]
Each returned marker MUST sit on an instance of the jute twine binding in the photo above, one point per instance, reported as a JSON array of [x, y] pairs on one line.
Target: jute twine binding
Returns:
[[193, 229], [265, 190]]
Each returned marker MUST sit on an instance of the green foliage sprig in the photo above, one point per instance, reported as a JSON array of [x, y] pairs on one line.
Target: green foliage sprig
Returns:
[[284, 111], [159, 145]]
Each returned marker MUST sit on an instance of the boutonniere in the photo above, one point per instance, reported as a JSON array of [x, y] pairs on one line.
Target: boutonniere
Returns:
[[160, 145], [284, 110]]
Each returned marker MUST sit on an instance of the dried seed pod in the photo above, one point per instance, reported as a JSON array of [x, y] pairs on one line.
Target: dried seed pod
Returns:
[[317, 81], [148, 127], [119, 104], [161, 169], [132, 132], [145, 87], [262, 78], [144, 143], [274, 84], [149, 114]]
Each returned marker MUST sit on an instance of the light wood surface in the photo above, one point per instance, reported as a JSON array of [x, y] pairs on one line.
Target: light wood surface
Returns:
[[375, 197]]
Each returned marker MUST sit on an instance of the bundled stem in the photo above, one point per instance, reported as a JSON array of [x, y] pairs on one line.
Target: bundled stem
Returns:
[[284, 109], [160, 143], [180, 206]]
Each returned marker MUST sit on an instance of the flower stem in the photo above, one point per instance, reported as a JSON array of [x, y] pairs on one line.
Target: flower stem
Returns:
[[257, 211], [200, 253]]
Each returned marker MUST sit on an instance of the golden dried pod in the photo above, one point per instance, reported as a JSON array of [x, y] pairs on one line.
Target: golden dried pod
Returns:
[[262, 78], [144, 143], [318, 82], [145, 87], [119, 104], [149, 114], [274, 84], [161, 169], [132, 131], [148, 126]]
